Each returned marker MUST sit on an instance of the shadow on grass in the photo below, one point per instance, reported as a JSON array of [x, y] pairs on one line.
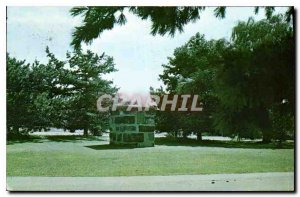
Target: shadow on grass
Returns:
[[158, 141], [224, 144], [55, 138], [72, 138], [15, 139], [110, 147]]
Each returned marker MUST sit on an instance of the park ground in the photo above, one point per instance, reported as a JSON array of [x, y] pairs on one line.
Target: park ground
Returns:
[[75, 156]]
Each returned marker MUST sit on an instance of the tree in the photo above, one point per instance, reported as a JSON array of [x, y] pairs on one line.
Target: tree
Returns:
[[192, 71], [61, 94], [87, 84], [283, 122], [257, 74], [165, 121], [164, 19], [29, 100], [17, 94], [247, 84]]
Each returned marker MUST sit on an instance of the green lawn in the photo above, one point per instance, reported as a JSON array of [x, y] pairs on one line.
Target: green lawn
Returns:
[[92, 157]]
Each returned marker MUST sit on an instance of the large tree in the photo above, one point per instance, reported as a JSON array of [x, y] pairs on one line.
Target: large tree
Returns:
[[81, 83], [17, 94], [30, 96], [59, 94], [192, 71], [257, 73], [247, 84]]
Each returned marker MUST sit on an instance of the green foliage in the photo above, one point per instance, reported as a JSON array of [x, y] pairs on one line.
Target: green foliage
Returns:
[[192, 70], [96, 20], [18, 99], [283, 122], [165, 20], [220, 12], [85, 86], [241, 82], [60, 94], [29, 99], [257, 73], [168, 19]]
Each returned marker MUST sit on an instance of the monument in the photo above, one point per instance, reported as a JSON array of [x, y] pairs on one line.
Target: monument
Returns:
[[134, 127]]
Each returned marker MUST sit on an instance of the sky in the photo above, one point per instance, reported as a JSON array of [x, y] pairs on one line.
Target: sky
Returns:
[[137, 54]]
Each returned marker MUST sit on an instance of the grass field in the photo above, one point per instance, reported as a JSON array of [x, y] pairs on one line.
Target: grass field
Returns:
[[93, 157]]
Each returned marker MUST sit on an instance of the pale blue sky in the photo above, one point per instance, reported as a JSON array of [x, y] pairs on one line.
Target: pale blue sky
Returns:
[[137, 54]]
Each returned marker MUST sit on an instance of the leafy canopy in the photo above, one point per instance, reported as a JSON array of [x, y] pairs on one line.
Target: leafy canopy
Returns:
[[165, 20], [59, 94]]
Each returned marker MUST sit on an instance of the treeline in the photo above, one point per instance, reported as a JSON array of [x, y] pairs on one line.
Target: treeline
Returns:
[[246, 84], [60, 94]]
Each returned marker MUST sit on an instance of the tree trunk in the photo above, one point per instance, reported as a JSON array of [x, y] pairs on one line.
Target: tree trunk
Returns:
[[199, 136], [279, 145], [184, 135], [266, 137], [176, 134], [238, 138], [15, 129], [85, 132], [266, 125]]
